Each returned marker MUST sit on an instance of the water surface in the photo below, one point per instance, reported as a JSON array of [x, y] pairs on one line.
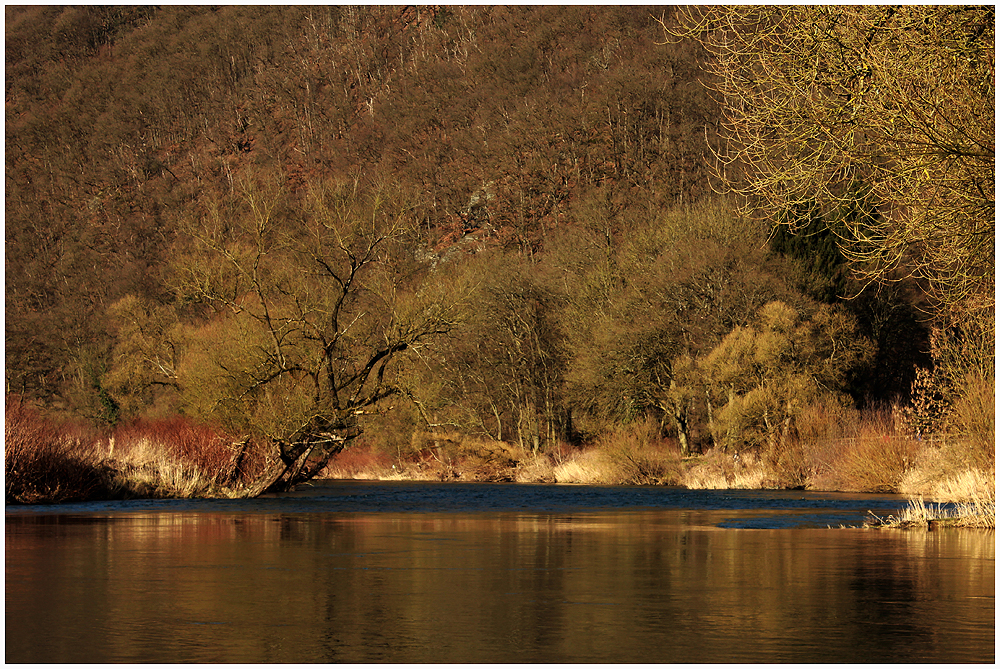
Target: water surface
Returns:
[[419, 572]]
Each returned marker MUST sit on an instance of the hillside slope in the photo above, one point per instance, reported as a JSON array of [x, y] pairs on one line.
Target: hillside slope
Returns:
[[120, 120]]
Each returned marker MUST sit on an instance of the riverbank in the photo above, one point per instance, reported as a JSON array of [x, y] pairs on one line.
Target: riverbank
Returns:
[[175, 458], [968, 493]]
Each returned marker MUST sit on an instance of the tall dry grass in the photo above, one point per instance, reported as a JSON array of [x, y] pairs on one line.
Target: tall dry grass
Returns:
[[43, 463], [718, 470], [586, 467], [46, 462], [858, 451], [977, 512], [632, 455], [178, 444]]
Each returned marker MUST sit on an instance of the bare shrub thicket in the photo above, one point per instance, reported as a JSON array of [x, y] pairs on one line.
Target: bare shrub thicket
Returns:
[[720, 470], [636, 455], [436, 455], [874, 463], [360, 461], [973, 417], [176, 457], [46, 462], [850, 450], [221, 458], [626, 456], [43, 463], [959, 463], [588, 466]]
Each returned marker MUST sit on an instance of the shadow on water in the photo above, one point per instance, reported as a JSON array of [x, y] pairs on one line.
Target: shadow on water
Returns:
[[408, 572], [758, 509]]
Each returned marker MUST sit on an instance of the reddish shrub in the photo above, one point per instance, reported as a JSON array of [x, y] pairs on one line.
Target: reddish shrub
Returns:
[[47, 463], [355, 460], [206, 448]]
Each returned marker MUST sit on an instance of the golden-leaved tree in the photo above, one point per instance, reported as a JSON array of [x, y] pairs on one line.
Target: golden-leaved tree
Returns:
[[881, 118], [763, 375]]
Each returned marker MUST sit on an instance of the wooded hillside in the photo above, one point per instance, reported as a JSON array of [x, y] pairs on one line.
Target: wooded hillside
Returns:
[[301, 223]]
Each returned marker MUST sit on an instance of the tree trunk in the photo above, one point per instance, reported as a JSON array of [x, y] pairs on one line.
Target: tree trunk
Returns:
[[265, 480], [680, 422], [679, 412], [711, 423], [290, 469], [729, 424]]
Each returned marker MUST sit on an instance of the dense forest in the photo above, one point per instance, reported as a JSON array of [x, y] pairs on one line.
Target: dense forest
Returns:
[[311, 228]]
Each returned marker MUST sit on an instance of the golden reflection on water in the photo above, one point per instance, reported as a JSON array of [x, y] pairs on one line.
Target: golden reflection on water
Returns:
[[650, 586]]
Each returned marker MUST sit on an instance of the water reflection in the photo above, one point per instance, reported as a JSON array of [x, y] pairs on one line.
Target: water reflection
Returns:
[[664, 585]]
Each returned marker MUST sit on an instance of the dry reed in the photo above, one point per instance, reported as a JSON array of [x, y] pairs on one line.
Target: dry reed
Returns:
[[45, 462], [976, 513], [585, 467], [717, 470]]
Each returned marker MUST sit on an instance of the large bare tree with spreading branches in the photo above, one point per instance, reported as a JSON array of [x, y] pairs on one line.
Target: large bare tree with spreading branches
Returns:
[[314, 299]]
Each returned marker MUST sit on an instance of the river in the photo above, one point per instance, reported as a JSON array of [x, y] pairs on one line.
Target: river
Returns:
[[405, 572]]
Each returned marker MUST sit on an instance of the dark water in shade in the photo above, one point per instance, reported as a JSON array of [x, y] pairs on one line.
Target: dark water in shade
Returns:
[[420, 572]]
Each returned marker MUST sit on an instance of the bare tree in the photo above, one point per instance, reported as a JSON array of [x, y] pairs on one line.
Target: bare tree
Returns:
[[319, 299]]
